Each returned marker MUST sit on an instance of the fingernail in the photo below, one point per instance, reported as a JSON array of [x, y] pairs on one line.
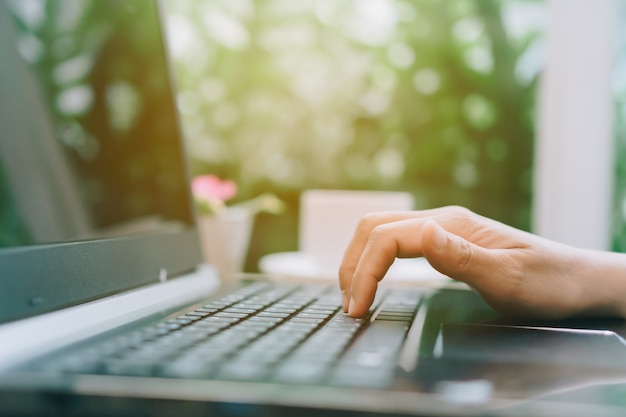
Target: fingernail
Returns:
[[351, 306], [344, 301], [440, 237]]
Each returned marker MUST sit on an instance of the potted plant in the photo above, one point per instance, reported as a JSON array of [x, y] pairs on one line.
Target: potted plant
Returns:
[[225, 230]]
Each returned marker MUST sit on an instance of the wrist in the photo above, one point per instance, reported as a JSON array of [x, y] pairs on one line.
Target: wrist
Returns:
[[601, 277]]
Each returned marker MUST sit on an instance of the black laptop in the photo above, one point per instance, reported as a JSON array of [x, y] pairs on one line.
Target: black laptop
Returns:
[[106, 307]]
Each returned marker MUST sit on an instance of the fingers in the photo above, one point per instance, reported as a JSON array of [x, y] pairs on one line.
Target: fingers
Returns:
[[357, 245], [448, 253], [384, 244], [380, 252]]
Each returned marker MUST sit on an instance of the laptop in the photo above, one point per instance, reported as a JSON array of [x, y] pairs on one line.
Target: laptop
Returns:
[[106, 307]]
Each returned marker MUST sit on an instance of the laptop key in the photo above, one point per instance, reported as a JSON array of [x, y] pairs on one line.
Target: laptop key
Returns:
[[187, 369], [363, 378], [388, 317], [76, 365], [296, 372], [244, 371], [129, 367], [371, 359]]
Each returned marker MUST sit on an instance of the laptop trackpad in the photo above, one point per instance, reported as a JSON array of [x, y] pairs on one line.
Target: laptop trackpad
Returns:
[[471, 363], [531, 344], [518, 361]]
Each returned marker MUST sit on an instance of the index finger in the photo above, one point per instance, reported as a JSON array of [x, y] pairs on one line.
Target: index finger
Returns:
[[355, 248], [386, 242], [357, 244]]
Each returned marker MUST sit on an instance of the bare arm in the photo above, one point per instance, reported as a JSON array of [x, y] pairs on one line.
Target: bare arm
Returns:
[[515, 272]]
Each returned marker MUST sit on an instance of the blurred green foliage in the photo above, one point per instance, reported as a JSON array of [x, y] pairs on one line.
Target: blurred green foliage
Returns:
[[427, 96], [619, 94]]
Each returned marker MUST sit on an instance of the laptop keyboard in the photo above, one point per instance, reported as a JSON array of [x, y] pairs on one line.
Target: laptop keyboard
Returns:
[[282, 333]]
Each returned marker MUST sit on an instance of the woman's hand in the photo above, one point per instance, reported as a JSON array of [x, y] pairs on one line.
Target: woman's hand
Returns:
[[515, 272]]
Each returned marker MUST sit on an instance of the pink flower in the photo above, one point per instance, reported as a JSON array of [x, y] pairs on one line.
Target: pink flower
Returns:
[[211, 193], [211, 188]]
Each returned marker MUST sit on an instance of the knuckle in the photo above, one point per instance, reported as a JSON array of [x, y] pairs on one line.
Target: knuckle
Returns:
[[460, 212], [370, 221], [345, 273], [378, 233], [460, 217]]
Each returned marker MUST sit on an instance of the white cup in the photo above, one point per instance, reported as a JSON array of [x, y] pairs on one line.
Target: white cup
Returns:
[[328, 219]]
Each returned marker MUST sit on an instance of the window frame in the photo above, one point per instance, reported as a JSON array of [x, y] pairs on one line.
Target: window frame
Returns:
[[574, 152]]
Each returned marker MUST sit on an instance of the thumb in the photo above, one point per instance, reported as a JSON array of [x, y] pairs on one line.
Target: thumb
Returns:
[[454, 256]]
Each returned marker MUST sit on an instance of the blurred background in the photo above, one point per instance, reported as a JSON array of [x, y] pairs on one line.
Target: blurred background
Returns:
[[430, 97], [435, 98], [618, 91]]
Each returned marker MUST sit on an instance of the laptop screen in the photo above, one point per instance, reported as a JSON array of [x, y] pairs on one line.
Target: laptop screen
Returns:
[[90, 149], [107, 161]]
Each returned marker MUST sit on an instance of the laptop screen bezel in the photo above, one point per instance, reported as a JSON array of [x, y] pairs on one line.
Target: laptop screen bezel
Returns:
[[41, 278]]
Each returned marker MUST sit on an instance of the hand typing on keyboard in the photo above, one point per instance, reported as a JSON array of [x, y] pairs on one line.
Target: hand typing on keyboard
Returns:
[[516, 272]]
